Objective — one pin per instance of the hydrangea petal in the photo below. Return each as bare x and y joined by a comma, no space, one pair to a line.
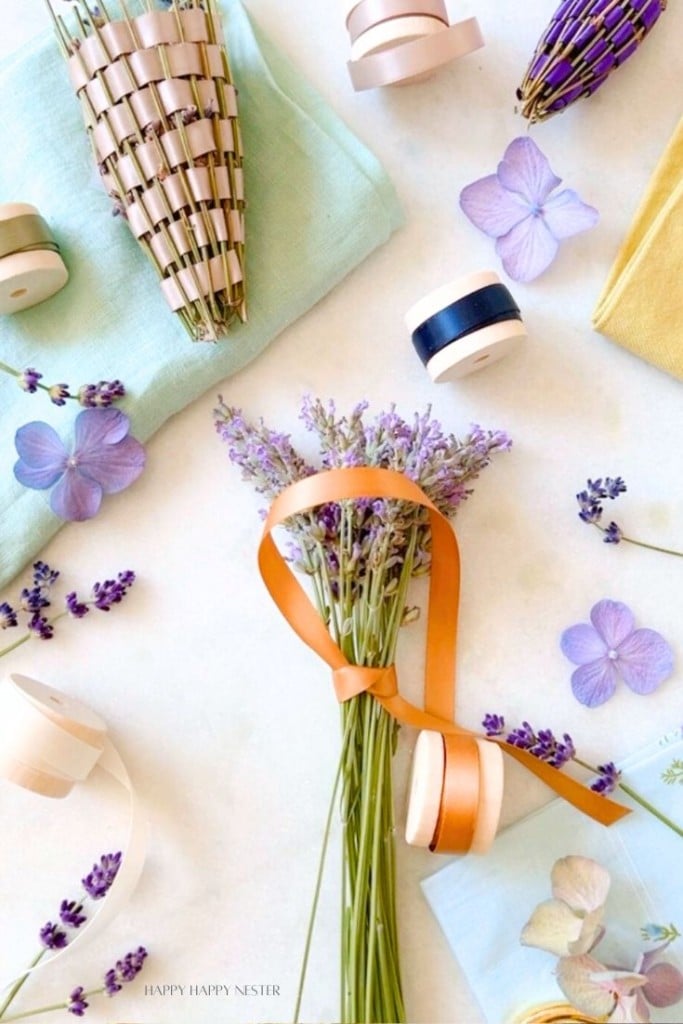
645,660
664,985
492,208
582,980
553,927
41,455
580,882
527,250
581,644
525,170
95,428
76,497
613,621
566,214
114,466
594,683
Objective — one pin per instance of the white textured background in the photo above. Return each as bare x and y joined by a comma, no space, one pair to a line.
226,721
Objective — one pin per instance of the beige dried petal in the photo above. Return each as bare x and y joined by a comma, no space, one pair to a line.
581,882
553,926
593,989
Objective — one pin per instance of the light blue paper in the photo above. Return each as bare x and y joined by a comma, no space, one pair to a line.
482,903
318,203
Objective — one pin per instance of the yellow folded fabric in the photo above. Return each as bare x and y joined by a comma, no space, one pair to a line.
641,304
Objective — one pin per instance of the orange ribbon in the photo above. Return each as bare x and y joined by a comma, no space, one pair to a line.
439,701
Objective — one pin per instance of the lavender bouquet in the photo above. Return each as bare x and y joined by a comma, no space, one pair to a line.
360,556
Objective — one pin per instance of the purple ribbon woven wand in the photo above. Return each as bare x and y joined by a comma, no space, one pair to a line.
584,42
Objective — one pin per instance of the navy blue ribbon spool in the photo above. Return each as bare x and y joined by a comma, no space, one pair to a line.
492,304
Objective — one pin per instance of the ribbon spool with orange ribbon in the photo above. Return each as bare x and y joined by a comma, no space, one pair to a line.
49,743
467,803
399,41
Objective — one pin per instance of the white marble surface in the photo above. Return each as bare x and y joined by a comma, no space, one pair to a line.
226,721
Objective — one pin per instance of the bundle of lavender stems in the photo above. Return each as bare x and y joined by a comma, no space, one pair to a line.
584,43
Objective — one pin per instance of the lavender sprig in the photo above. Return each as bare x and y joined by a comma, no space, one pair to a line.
123,972
544,745
72,916
591,511
35,599
90,396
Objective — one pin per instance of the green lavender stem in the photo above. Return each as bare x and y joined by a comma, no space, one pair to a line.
643,543
645,804
47,1009
16,988
27,636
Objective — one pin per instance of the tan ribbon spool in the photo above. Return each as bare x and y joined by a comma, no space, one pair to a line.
49,743
412,60
31,267
455,794
364,15
476,350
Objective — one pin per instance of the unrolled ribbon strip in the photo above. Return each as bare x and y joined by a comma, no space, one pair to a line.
48,744
439,702
398,41
465,325
31,266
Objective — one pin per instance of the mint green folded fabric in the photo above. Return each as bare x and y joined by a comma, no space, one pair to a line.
317,204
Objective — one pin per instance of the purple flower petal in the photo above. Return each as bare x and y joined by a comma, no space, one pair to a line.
76,497
664,985
41,455
524,169
594,683
527,250
114,466
492,208
645,660
566,215
613,621
97,427
582,644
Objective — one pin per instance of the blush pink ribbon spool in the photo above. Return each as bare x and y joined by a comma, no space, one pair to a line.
400,41
48,744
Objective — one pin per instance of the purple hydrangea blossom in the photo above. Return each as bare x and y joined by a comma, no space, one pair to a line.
124,971
77,1002
98,883
517,208
52,936
104,459
611,647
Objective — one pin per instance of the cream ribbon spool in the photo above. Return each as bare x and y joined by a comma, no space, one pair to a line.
390,33
49,743
30,276
426,790
476,350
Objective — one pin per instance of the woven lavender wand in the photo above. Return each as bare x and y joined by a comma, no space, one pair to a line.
584,42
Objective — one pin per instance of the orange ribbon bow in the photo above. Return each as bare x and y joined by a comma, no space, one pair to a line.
439,701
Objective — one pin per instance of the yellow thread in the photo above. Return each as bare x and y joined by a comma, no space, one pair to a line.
556,1013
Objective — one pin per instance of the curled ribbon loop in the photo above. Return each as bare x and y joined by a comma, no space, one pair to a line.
444,586
49,743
